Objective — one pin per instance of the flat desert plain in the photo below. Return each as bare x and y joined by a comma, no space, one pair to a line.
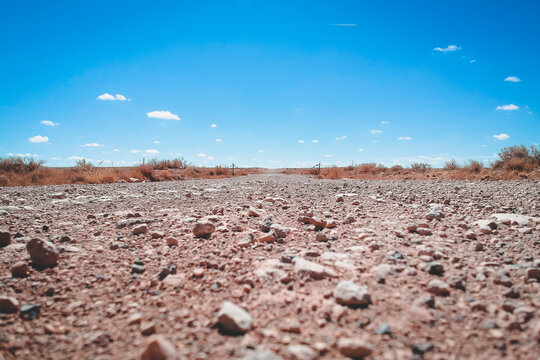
271,266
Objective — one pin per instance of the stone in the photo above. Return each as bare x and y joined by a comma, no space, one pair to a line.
261,355
42,253
148,328
435,268
509,219
354,348
265,225
8,304
58,196
301,352
486,226
279,231
267,238
350,294
383,329
438,287
533,273
233,319
470,235
381,272
137,269
435,212
423,231
20,269
5,238
172,242
159,348
157,234
312,269
203,229
318,223
140,229
30,312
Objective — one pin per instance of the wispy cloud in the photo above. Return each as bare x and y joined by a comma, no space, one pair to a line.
22,155
219,140
300,141
135,151
345,25
93,145
213,126
116,150
314,141
49,123
261,151
385,122
513,79
38,139
151,152
76,158
211,158
449,48
501,137
109,97
360,149
166,115
327,155
157,142
342,138
375,131
510,107
201,155
472,61
401,138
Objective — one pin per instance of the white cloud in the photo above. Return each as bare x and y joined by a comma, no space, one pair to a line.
472,61
109,97
300,141
448,48
501,137
219,140
375,131
510,107
76,158
315,141
385,122
166,115
49,123
157,142
151,152
201,155
512,79
213,126
327,155
404,138
38,139
342,138
116,150
261,151
135,151
360,149
93,145
345,25
22,155
56,158
211,158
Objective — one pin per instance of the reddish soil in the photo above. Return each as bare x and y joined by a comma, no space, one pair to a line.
447,287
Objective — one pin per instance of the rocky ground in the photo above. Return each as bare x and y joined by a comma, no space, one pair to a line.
271,267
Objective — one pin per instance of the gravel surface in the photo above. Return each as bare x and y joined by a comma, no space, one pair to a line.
271,267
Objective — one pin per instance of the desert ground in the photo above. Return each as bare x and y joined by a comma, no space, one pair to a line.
271,266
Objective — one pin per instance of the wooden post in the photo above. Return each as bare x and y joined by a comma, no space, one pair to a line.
319,173
233,169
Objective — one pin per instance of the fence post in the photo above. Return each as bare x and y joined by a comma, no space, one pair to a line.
233,169
319,173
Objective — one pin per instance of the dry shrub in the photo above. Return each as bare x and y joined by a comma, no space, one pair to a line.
178,163
518,158
220,171
451,165
368,168
396,168
518,164
334,173
19,165
420,167
475,166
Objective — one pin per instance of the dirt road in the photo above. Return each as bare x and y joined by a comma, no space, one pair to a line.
315,269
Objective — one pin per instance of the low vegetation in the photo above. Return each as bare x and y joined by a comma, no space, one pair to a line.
16,171
513,162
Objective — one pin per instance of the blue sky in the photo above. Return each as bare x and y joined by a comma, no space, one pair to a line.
269,84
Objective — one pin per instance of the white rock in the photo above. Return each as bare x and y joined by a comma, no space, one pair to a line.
234,319
312,269
348,293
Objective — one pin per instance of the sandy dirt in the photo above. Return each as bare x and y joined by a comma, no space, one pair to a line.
311,268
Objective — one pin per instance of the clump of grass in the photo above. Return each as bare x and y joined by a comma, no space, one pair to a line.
451,165
420,167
